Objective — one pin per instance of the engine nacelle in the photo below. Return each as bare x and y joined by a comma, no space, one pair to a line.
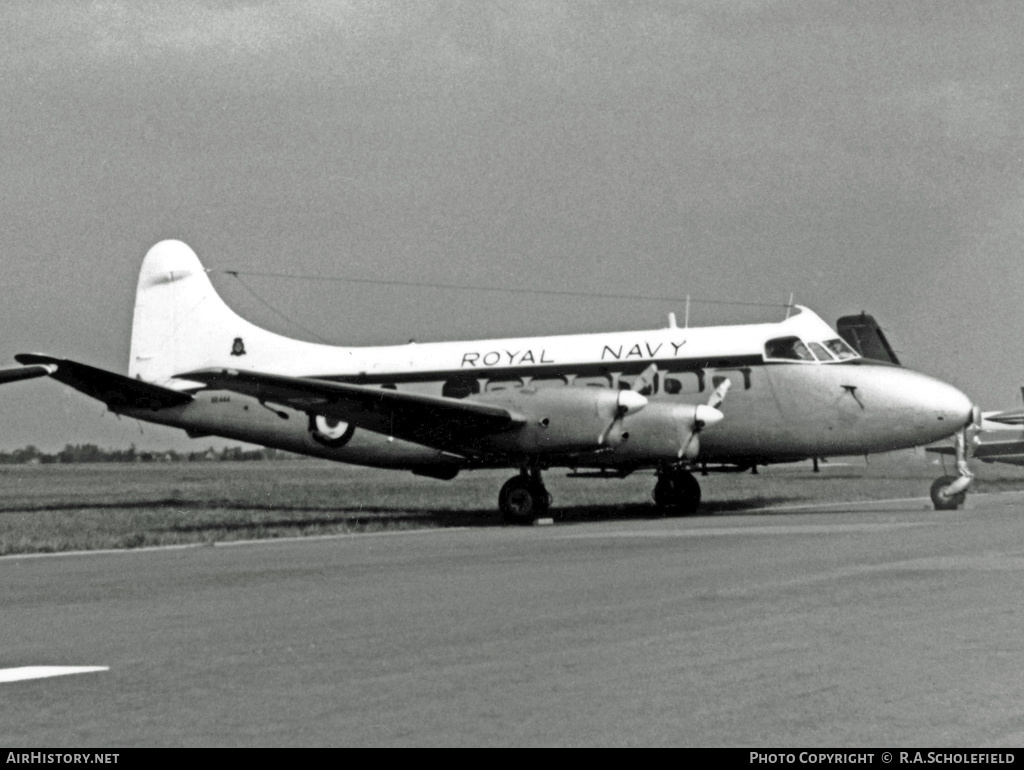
563,420
664,431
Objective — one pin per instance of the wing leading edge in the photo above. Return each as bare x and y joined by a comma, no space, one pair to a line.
449,424
115,390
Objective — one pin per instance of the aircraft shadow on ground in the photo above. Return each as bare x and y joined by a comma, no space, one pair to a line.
364,517
585,513
359,517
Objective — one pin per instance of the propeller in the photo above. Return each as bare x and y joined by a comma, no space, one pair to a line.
628,402
703,415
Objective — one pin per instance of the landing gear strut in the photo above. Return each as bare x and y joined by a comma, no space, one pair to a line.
677,491
524,498
949,492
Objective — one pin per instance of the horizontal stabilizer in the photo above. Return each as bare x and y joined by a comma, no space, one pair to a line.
995,450
115,390
1010,417
865,336
26,372
437,421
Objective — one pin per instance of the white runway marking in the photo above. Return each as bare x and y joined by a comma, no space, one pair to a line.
42,672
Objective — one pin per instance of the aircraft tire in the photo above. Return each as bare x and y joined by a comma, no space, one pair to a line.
946,503
677,493
521,500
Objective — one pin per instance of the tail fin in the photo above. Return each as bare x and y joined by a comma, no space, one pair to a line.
866,337
181,323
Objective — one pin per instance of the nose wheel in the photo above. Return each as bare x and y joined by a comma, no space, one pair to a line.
942,499
677,492
523,499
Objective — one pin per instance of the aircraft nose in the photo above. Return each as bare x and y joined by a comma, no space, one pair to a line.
938,404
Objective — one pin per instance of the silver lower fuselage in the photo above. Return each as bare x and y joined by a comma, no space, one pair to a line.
774,412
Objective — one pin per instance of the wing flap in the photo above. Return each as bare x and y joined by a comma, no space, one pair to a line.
437,421
115,390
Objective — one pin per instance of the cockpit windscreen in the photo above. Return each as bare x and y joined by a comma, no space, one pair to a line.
794,349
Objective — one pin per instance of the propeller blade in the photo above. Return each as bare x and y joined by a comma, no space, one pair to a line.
645,382
719,395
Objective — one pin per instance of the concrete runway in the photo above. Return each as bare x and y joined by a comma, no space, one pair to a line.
881,625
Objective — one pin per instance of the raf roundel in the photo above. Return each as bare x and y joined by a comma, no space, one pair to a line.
330,432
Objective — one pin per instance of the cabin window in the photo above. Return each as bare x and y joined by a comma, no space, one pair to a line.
840,349
548,382
744,372
787,349
460,387
597,381
507,383
682,383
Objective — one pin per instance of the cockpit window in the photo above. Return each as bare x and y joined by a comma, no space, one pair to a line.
840,349
788,348
819,352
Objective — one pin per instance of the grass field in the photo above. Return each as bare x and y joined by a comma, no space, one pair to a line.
45,508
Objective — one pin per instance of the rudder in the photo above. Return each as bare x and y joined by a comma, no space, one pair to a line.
866,337
180,322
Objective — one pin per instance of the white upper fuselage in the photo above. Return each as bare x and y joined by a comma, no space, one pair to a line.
167,340
670,348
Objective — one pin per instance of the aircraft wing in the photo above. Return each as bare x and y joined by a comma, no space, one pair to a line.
25,372
115,390
450,424
990,447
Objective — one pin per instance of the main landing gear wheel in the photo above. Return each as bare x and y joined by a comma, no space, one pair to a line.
940,501
523,500
677,492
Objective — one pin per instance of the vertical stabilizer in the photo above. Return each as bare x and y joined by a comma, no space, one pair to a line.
181,323
866,337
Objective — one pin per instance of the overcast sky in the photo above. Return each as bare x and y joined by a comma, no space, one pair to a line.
857,154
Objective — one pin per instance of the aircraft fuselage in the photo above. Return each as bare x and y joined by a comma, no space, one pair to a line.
773,412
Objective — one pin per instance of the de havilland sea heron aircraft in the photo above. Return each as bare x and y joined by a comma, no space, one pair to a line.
608,404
